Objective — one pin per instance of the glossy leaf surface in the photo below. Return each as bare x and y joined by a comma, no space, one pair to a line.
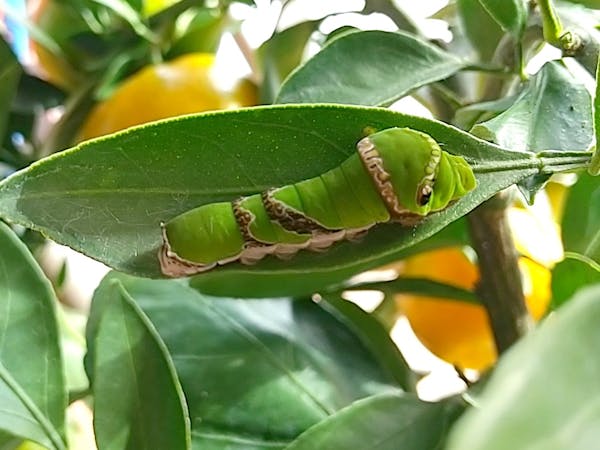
368,68
384,422
138,401
256,373
107,197
554,112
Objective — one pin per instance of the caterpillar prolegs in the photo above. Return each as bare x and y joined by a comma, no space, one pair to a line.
397,174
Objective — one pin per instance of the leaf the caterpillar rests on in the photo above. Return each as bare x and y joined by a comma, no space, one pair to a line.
397,174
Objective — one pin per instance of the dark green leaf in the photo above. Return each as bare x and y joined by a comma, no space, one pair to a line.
554,112
374,336
511,15
280,55
107,197
34,94
382,422
545,391
256,373
28,324
368,68
481,29
570,275
10,72
581,219
138,401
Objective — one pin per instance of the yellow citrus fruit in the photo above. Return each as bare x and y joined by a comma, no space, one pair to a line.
61,22
182,86
459,332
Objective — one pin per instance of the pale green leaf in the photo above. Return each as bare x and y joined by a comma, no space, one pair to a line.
545,391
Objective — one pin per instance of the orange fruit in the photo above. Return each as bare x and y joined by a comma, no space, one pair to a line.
181,86
459,332
61,22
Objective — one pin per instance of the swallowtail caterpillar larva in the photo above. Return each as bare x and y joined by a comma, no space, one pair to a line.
397,175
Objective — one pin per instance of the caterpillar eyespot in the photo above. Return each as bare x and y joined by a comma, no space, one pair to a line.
397,175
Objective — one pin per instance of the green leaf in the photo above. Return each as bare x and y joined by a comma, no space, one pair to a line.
146,408
382,422
421,286
107,197
481,29
511,15
394,11
467,116
281,54
10,73
21,419
553,112
202,34
570,275
368,68
374,336
545,391
124,10
256,373
594,168
581,219
28,324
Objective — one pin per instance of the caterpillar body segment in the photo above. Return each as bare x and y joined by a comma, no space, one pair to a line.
397,174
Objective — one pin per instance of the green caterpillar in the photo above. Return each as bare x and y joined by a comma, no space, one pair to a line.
397,174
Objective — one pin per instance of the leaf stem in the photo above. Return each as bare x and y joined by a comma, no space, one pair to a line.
544,162
490,68
554,33
552,27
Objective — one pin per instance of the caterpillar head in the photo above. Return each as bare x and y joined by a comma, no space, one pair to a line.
422,177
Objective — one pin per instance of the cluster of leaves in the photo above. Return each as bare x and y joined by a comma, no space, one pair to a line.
174,367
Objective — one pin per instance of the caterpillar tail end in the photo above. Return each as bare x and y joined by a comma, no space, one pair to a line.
172,265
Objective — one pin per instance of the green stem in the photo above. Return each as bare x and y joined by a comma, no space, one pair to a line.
489,68
554,33
594,168
553,29
544,162
520,57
